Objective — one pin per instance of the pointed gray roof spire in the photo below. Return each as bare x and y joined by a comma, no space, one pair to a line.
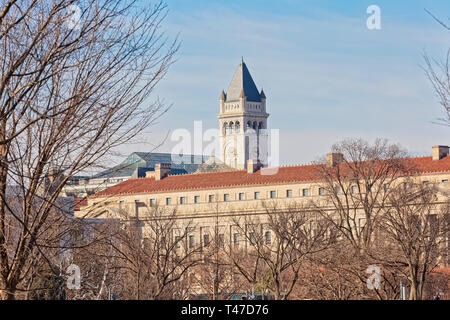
242,80
262,95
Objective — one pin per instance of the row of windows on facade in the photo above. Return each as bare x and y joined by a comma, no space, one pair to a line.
221,239
240,197
235,127
272,194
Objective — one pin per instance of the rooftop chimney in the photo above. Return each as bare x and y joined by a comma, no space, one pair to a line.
334,158
161,171
439,152
253,165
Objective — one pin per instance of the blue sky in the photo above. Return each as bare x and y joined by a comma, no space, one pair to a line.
325,75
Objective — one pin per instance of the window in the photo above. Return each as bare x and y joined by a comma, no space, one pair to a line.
168,201
236,238
338,190
305,192
226,197
273,194
177,241
211,198
354,189
221,239
445,181
268,237
289,193
241,196
191,241
426,182
251,237
321,191
152,202
257,195
197,199
205,239
386,187
182,200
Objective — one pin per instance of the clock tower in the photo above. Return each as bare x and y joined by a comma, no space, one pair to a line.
242,116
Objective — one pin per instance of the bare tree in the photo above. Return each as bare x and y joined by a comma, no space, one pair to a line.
153,253
417,225
216,275
439,76
356,188
277,244
72,88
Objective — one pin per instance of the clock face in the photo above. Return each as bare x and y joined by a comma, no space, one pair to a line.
231,152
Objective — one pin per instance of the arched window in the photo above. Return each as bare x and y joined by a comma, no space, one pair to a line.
260,125
249,124
231,127
225,128
254,125
238,127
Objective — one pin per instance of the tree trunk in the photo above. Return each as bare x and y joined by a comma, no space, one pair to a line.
413,292
6,295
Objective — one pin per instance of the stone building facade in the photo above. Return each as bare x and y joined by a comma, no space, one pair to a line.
211,201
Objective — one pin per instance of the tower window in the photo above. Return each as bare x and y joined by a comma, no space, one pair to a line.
238,127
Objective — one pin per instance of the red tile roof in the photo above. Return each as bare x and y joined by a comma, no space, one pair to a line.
289,174
79,202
